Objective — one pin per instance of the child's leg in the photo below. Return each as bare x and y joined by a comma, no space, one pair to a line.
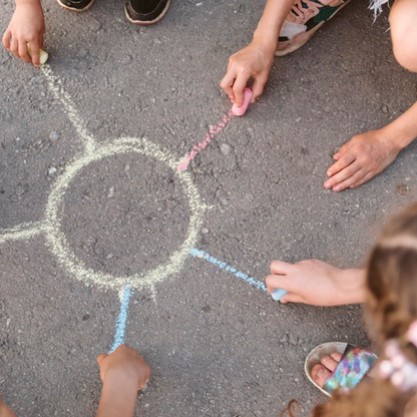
403,19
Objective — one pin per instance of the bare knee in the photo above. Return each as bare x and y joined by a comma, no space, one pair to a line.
403,20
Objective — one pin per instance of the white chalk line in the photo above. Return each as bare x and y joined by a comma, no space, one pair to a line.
22,231
55,207
94,151
58,91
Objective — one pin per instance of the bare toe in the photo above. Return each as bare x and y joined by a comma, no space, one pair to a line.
329,363
337,356
320,374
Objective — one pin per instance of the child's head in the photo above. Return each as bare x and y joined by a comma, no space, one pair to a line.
391,283
391,306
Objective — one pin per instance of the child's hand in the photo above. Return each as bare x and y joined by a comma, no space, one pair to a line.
317,283
24,35
123,365
6,411
253,61
360,159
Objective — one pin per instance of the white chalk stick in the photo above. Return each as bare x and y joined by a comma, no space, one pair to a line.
278,294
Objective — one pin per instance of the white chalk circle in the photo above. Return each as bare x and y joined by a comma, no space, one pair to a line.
55,208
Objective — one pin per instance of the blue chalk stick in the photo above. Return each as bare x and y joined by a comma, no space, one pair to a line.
278,294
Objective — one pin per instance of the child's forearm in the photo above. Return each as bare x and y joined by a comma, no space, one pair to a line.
5,411
34,2
117,399
403,130
271,22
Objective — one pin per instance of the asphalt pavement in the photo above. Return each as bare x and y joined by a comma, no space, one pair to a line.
91,204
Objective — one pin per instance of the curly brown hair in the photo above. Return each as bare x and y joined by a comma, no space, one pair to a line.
391,306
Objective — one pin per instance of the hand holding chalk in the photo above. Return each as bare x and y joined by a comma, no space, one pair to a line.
278,294
240,111
43,55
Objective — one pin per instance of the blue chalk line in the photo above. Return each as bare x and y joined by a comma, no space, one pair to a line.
119,337
197,253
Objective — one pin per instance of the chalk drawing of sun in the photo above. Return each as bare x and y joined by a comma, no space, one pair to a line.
93,151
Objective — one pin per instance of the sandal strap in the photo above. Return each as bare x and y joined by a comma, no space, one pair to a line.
351,369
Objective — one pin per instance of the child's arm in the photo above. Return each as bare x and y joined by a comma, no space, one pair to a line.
317,283
123,373
6,411
255,60
24,35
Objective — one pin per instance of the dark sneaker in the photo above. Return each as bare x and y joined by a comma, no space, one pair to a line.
304,19
76,5
146,12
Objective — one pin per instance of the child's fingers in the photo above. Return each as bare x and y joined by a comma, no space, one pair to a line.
280,267
291,298
23,52
34,53
341,163
274,282
7,38
348,180
100,358
14,47
258,86
364,179
239,87
226,84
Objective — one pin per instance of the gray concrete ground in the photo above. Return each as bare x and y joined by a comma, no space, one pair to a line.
217,346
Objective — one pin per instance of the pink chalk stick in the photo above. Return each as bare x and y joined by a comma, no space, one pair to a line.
240,111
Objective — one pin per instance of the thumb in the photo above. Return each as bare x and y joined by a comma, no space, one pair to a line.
274,282
291,298
100,358
258,87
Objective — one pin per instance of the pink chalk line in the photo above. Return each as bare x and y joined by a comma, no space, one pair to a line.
210,135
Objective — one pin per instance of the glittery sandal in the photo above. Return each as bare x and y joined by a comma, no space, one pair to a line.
351,369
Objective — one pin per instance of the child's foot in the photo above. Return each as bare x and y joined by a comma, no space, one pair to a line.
340,370
76,5
146,12
323,370
304,19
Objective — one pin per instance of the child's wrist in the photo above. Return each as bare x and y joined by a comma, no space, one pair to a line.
29,2
115,377
398,138
266,43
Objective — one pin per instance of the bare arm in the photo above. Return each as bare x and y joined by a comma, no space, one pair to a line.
123,373
6,411
118,398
